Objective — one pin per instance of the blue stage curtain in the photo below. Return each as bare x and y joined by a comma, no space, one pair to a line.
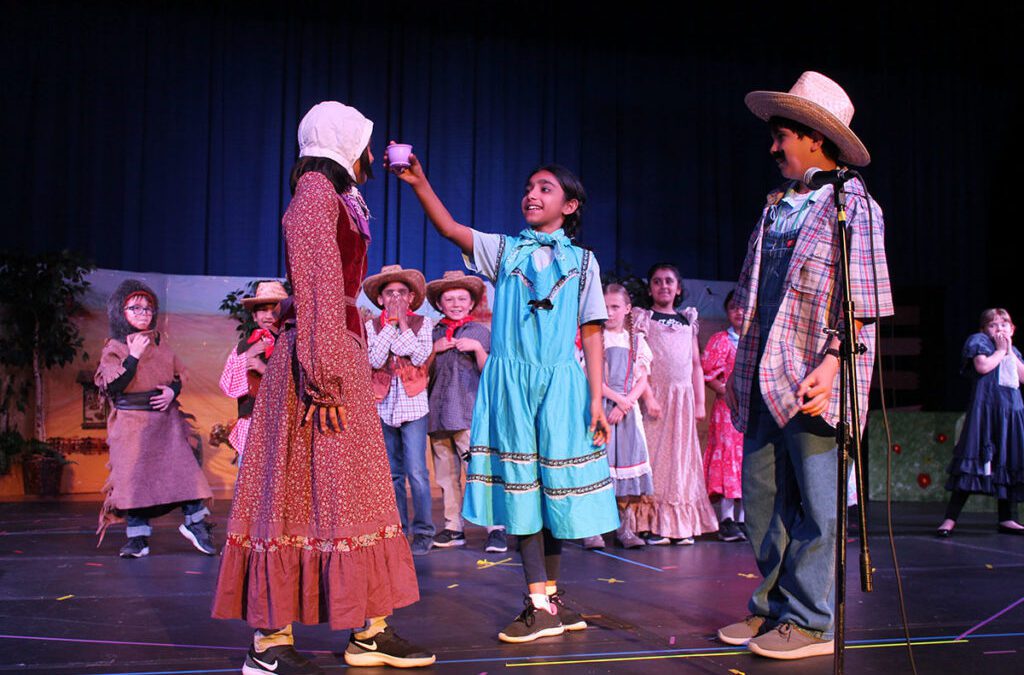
158,136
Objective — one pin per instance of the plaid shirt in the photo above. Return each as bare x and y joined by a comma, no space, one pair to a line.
234,383
397,407
811,301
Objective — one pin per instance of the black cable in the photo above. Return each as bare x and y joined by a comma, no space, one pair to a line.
888,440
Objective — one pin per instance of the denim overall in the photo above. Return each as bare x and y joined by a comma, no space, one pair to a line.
789,475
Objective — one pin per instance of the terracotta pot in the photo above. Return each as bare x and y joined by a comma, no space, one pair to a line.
42,476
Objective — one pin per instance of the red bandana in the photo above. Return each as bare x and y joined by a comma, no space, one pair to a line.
452,326
266,336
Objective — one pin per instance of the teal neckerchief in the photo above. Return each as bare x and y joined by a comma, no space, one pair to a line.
531,240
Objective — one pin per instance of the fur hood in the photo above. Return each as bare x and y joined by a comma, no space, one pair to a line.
119,326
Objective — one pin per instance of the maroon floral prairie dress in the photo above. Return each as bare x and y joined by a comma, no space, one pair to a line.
314,534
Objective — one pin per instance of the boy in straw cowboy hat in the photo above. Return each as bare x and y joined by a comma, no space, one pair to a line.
784,393
461,345
399,345
247,362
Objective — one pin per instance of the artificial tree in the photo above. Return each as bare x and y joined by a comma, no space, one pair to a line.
39,296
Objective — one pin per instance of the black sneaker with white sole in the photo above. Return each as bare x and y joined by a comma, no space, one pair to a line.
496,542
137,547
449,538
570,618
386,648
281,660
728,530
532,623
199,535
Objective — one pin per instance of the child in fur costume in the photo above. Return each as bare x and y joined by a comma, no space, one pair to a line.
153,448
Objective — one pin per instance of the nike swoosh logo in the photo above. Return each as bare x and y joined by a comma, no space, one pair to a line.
268,666
372,646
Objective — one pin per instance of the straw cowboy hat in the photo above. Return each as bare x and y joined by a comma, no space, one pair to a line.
455,279
411,278
821,104
267,293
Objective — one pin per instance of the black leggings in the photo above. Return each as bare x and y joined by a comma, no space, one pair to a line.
959,498
542,556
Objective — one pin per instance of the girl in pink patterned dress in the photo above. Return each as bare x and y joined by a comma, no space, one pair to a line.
723,458
679,509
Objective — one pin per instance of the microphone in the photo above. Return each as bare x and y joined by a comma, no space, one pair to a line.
815,178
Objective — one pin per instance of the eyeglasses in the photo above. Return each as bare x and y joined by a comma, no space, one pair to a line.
395,293
139,310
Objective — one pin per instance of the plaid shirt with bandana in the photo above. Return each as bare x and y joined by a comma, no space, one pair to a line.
812,300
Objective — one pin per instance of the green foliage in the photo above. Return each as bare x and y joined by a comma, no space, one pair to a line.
14,447
232,304
39,296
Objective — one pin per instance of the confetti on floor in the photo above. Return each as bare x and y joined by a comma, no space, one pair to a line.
670,567
672,640
192,572
66,597
454,586
94,564
19,552
484,564
988,566
736,672
613,580
746,575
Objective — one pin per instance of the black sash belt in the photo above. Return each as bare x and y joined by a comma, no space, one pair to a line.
137,400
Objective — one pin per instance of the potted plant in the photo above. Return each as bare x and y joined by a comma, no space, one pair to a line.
39,296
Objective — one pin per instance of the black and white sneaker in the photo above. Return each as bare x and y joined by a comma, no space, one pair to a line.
137,547
570,618
728,530
496,542
449,538
281,660
386,648
532,623
653,539
199,535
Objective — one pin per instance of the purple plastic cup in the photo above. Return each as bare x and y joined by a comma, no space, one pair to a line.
398,155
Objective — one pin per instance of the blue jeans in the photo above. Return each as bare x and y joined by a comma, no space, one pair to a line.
137,520
789,492
407,455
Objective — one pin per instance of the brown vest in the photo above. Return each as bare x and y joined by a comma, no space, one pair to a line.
414,378
247,402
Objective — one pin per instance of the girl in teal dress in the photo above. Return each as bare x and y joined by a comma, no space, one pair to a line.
537,458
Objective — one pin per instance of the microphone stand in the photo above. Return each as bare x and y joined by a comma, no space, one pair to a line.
848,439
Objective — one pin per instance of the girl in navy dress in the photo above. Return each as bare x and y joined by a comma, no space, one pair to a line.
989,457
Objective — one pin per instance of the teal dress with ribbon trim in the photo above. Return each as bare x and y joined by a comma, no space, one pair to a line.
532,461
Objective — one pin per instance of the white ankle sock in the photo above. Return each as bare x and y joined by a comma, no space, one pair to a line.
540,601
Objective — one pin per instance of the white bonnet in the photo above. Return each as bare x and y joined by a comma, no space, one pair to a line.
336,131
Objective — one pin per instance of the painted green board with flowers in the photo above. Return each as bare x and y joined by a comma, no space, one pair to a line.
922,445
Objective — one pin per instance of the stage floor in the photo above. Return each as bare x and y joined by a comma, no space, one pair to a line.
68,607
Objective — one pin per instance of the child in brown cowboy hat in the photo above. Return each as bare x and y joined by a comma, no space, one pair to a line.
461,344
247,362
399,345
783,392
